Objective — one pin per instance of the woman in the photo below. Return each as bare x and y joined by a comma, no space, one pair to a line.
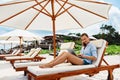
87,56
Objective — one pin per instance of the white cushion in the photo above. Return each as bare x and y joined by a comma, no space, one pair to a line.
42,71
26,64
14,52
98,43
16,57
101,45
35,53
18,51
48,59
31,52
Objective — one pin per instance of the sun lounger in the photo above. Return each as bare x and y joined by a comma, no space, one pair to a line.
58,72
29,54
33,55
14,53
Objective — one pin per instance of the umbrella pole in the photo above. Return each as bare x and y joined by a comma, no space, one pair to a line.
53,24
20,43
4,46
20,46
11,45
54,39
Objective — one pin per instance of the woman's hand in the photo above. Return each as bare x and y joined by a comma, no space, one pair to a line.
81,55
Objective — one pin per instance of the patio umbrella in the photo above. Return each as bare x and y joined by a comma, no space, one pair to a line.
52,14
20,35
3,42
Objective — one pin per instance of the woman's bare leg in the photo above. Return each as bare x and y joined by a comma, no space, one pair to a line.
62,58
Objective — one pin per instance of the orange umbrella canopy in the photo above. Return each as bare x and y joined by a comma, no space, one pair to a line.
52,15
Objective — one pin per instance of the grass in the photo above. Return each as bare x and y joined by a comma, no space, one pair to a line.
111,50
45,51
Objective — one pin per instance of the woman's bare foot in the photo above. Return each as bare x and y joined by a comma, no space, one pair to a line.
45,66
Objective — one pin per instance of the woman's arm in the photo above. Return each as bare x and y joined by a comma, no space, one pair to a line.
87,57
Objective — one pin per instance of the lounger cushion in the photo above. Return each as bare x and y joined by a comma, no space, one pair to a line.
97,43
36,52
20,65
31,52
23,57
42,71
48,59
101,45
16,57
16,53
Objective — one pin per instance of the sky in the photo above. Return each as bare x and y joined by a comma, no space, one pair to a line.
114,20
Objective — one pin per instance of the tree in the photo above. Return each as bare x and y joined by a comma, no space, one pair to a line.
109,33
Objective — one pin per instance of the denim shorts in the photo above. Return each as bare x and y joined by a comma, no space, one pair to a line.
85,62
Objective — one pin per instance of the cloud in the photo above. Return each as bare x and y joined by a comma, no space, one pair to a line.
115,17
91,30
4,29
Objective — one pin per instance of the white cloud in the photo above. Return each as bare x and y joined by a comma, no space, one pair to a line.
91,30
3,31
115,17
119,31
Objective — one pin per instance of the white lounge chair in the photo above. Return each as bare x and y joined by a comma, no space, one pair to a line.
59,71
32,55
16,52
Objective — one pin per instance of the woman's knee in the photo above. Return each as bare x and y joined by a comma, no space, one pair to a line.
65,53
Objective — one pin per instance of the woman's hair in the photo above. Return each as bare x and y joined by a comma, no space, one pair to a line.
84,34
